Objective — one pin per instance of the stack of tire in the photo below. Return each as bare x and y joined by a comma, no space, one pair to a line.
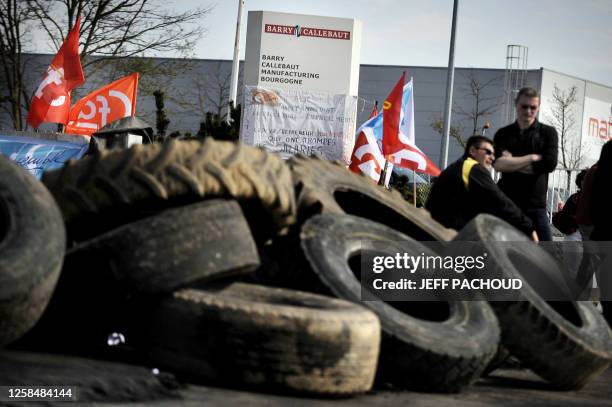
218,262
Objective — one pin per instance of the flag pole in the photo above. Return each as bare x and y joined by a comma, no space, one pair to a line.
383,176
235,65
388,176
449,90
414,196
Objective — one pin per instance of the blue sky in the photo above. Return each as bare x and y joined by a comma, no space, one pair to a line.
569,36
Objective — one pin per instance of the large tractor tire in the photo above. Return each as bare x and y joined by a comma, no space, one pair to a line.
32,245
114,187
179,246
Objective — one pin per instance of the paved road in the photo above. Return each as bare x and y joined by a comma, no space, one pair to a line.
102,380
504,388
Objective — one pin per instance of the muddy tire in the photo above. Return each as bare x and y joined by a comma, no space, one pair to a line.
267,338
110,188
95,380
32,245
180,246
566,342
109,284
326,187
428,346
500,358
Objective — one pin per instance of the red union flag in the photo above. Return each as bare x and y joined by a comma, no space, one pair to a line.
391,119
51,101
104,106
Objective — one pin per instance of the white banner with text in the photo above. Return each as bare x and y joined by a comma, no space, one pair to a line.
292,122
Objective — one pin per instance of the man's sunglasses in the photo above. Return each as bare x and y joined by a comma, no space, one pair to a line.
532,107
486,150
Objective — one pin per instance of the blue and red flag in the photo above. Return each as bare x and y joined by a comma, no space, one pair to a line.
369,158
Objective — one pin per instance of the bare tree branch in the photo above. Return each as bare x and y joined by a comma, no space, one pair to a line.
219,94
562,116
479,104
114,28
110,30
15,19
455,132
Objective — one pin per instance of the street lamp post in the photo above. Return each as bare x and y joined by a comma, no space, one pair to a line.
449,90
234,80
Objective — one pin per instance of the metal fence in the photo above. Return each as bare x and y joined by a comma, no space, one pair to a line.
424,189
561,184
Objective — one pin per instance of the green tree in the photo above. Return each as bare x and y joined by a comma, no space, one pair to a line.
161,120
217,128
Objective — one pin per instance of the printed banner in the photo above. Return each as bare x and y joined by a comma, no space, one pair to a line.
292,122
39,155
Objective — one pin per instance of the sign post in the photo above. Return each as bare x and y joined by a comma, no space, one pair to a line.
301,79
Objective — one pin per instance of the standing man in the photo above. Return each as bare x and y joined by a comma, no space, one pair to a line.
527,152
465,189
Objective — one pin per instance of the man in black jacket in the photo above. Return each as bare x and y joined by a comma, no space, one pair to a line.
526,153
465,189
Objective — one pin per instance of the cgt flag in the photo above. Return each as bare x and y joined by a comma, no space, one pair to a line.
104,106
367,159
51,101
392,109
401,148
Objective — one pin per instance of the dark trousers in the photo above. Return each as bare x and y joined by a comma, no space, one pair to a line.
539,217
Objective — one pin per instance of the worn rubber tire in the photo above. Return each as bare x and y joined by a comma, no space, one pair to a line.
500,358
327,187
109,283
95,380
177,247
567,343
440,354
607,312
267,338
32,245
117,183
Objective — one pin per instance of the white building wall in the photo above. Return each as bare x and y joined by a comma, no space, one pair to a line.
596,119
592,113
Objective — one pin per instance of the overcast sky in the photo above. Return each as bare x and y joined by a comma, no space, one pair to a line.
569,36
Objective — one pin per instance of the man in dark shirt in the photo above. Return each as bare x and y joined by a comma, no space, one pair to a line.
526,153
465,189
